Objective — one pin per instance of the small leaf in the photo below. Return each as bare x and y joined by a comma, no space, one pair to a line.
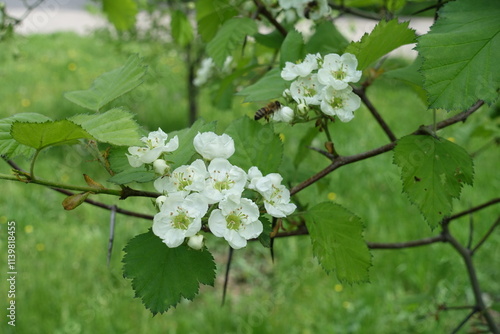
270,86
182,32
461,55
256,145
272,40
115,126
140,174
110,85
229,37
385,37
41,135
433,172
265,236
73,201
210,15
326,39
162,276
9,147
292,49
120,12
338,244
91,183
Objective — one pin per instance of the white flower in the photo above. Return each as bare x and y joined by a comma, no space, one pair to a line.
184,179
179,217
196,242
307,90
276,196
204,72
337,70
211,146
340,103
315,10
236,222
160,166
303,69
225,181
285,114
156,144
160,200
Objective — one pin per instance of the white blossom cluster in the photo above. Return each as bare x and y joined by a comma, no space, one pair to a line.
209,190
324,82
313,10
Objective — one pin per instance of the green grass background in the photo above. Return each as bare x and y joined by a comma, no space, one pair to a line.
65,286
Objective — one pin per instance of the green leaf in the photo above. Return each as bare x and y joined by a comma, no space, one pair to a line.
410,76
461,55
256,144
162,276
270,86
41,135
385,37
9,147
182,32
186,150
115,126
120,12
229,37
433,172
338,244
210,15
326,39
265,236
292,49
272,40
139,174
110,85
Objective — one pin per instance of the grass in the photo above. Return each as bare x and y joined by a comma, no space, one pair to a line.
64,285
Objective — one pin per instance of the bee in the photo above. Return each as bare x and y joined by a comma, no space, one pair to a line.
268,110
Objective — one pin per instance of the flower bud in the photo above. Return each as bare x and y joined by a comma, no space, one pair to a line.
160,166
160,200
196,242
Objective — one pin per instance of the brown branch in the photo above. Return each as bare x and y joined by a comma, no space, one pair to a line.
361,92
486,236
261,8
471,210
407,244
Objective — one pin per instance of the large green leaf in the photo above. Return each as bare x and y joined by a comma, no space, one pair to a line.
256,145
292,49
120,12
229,37
110,85
433,172
461,55
9,147
326,39
162,276
338,244
270,86
210,15
385,37
410,76
115,126
182,31
41,135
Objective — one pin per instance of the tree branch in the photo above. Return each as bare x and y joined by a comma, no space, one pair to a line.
261,8
488,233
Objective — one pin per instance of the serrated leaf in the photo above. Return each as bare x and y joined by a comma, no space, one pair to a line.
9,147
292,49
115,126
338,244
229,37
433,172
120,12
384,38
410,76
41,135
272,40
182,32
210,15
162,276
186,149
265,236
256,144
270,86
326,39
461,55
140,175
110,85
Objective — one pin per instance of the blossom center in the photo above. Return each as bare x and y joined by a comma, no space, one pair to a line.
234,221
181,221
182,182
339,75
336,102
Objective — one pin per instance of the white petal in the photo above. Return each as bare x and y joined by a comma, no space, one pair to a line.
252,230
217,223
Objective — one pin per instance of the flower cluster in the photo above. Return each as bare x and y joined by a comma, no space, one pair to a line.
313,10
209,190
324,82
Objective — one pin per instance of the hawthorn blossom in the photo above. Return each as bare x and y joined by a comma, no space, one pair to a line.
285,114
156,144
212,146
184,179
224,181
337,71
340,103
236,222
179,217
160,166
204,72
196,242
303,69
307,90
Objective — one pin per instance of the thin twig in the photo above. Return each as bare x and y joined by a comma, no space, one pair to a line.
471,210
463,322
226,276
263,10
488,233
471,232
112,220
356,12
407,244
